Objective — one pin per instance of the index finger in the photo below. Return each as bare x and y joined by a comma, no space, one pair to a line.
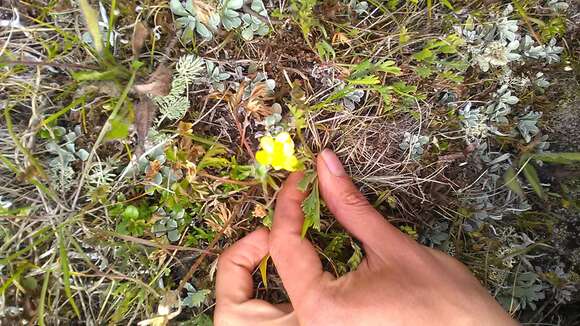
295,258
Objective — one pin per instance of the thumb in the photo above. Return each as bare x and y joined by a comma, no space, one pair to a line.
352,209
234,283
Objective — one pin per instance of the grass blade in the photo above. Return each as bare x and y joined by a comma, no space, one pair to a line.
533,179
511,181
64,267
92,19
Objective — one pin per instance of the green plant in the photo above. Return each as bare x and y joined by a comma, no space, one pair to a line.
194,297
254,24
303,15
190,19
175,104
133,220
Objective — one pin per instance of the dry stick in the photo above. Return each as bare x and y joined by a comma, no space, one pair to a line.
242,132
156,245
201,258
225,180
52,64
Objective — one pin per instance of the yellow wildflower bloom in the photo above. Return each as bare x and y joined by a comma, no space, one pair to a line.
278,152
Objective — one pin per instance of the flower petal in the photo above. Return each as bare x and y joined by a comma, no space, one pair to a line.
263,157
291,163
267,144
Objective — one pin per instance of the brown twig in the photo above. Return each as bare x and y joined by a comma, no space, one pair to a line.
156,245
226,180
200,259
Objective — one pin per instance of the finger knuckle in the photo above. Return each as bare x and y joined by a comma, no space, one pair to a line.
353,197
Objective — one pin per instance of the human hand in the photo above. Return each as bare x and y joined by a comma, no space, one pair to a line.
399,282
234,287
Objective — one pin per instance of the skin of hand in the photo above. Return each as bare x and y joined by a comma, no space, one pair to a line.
235,304
399,282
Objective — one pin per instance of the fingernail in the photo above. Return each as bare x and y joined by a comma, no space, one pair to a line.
333,163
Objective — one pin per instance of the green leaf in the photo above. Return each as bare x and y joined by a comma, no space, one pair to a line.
119,129
404,36
454,77
424,55
212,158
403,89
131,213
325,51
195,299
92,19
367,80
66,275
356,257
94,75
533,179
559,158
424,71
311,209
389,67
447,4
309,177
511,181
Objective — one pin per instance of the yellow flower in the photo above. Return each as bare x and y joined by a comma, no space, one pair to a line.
277,152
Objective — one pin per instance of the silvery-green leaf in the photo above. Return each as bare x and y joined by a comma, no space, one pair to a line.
258,7
526,42
219,86
508,10
171,224
173,235
483,64
180,214
157,179
177,8
247,34
224,75
214,22
70,137
235,4
247,18
513,45
348,104
182,22
189,287
70,147
513,57
270,84
230,23
559,6
210,66
158,229
527,125
82,154
189,7
203,31
263,29
509,99
230,13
